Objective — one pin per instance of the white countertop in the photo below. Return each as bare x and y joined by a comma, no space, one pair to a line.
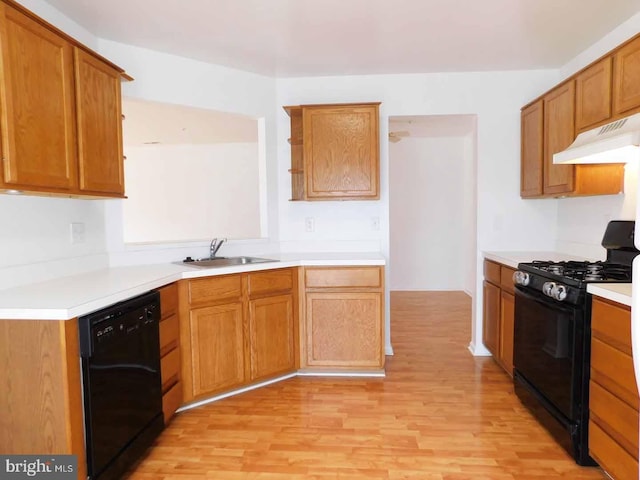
616,292
512,259
68,297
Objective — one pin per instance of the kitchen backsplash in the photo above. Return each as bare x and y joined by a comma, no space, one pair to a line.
582,220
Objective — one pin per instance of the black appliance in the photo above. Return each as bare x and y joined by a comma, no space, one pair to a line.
120,355
552,336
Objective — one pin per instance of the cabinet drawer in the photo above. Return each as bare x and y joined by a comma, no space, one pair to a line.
169,334
506,278
613,369
492,272
612,323
213,289
610,455
270,281
615,417
171,400
170,369
365,277
169,300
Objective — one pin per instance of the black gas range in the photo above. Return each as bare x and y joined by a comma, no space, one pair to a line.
552,335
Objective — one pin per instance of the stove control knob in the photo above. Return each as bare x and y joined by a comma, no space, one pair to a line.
560,292
521,278
548,288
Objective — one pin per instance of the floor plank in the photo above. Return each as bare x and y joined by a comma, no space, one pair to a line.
440,414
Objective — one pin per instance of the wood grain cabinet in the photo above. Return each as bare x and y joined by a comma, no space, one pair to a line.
99,120
498,313
532,152
335,151
170,351
212,335
626,87
548,127
41,389
272,326
593,94
344,326
60,106
559,130
237,329
613,394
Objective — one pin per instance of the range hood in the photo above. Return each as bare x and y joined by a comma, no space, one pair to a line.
615,142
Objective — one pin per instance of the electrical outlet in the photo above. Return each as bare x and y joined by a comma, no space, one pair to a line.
77,232
375,223
309,224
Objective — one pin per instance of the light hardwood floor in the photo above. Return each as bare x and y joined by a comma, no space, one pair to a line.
439,414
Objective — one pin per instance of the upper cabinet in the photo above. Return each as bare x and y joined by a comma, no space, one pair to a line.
593,95
532,154
626,87
559,128
335,152
605,91
60,124
99,120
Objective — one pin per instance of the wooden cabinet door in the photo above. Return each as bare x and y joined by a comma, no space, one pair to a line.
507,307
626,87
341,152
559,133
217,348
99,120
37,105
491,317
532,153
271,336
593,95
344,329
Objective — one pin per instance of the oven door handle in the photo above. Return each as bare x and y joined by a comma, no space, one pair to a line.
547,302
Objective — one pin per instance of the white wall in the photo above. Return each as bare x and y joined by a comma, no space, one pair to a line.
171,79
428,213
35,240
505,222
64,23
582,220
470,212
181,193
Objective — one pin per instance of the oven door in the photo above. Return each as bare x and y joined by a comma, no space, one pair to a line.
549,349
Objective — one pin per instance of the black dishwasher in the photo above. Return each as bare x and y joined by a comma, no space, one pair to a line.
120,354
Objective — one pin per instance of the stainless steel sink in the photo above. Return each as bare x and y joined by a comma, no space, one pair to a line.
226,261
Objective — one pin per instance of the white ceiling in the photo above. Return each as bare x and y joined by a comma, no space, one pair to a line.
342,37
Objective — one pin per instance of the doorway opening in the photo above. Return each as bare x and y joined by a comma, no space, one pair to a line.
432,203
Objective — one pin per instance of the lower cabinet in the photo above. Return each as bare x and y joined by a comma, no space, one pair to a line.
217,348
170,351
498,313
507,308
613,395
491,317
41,399
237,329
271,336
344,324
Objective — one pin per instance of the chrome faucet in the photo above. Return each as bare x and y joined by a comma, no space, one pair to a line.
215,246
